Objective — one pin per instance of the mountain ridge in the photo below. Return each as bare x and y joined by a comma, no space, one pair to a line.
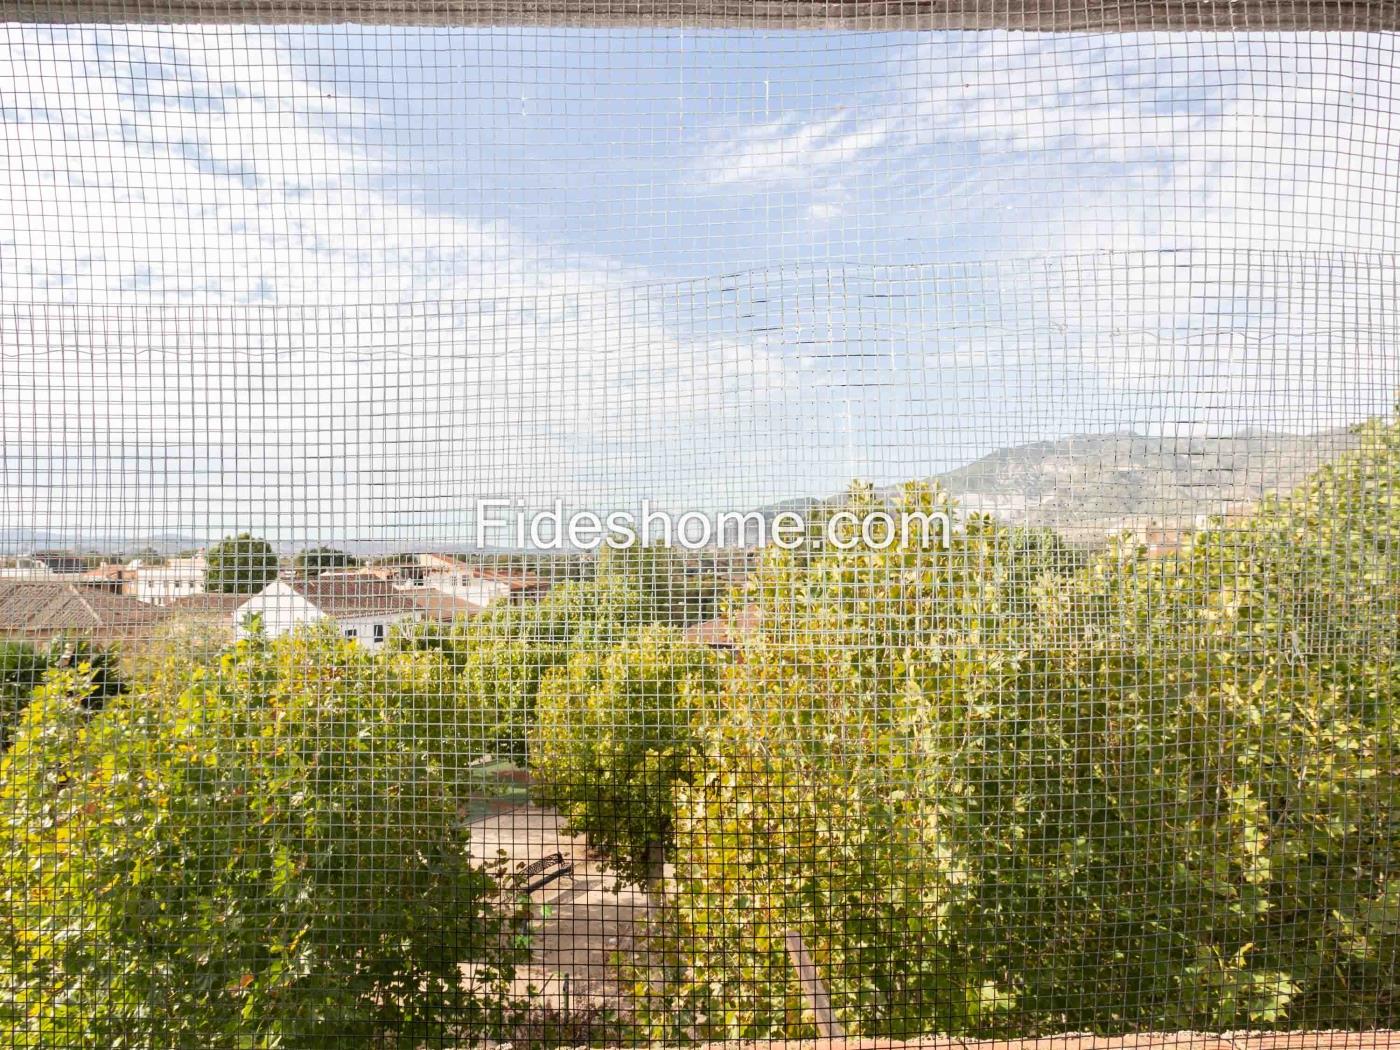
1091,486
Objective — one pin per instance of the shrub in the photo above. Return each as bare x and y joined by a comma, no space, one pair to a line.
497,685
614,734
546,1026
165,657
21,669
101,665
999,797
271,856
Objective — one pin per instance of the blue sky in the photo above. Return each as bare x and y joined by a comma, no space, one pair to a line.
335,283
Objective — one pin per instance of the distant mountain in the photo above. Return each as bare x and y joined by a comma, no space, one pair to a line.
24,541
1086,486
1089,486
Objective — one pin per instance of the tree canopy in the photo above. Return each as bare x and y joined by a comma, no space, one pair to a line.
242,564
315,560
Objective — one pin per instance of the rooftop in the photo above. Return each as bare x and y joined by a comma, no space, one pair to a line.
725,632
45,607
438,605
353,594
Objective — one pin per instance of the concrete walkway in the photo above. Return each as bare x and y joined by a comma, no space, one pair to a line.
583,921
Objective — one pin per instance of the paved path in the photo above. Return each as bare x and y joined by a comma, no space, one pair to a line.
590,915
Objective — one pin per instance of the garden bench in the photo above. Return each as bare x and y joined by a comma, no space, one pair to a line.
540,873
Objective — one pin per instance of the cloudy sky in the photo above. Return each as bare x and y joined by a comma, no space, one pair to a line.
336,284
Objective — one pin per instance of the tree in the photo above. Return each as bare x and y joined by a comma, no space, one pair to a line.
242,564
497,684
315,560
613,737
955,774
21,669
502,655
268,855
677,588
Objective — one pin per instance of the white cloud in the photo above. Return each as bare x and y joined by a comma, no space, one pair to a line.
1064,144
364,422
230,319
1246,190
221,304
790,150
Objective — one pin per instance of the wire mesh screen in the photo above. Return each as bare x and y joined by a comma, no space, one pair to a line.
560,534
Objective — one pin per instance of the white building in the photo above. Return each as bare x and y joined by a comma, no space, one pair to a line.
161,584
476,585
363,607
24,569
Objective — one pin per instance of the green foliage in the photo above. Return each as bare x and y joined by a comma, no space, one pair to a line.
494,677
1002,788
21,669
768,841
812,813
100,664
166,655
270,855
573,614
241,564
672,585
613,737
315,560
502,655
1000,791
497,685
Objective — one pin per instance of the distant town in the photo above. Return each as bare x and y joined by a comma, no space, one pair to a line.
53,593
1086,487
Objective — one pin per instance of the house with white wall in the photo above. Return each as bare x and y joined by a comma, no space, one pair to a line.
476,584
363,607
162,583
24,569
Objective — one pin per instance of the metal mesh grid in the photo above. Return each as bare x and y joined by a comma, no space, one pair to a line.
1036,675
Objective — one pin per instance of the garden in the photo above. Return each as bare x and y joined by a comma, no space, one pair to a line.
1007,788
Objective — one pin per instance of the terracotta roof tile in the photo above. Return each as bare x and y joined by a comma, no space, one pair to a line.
41,607
724,632
353,594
